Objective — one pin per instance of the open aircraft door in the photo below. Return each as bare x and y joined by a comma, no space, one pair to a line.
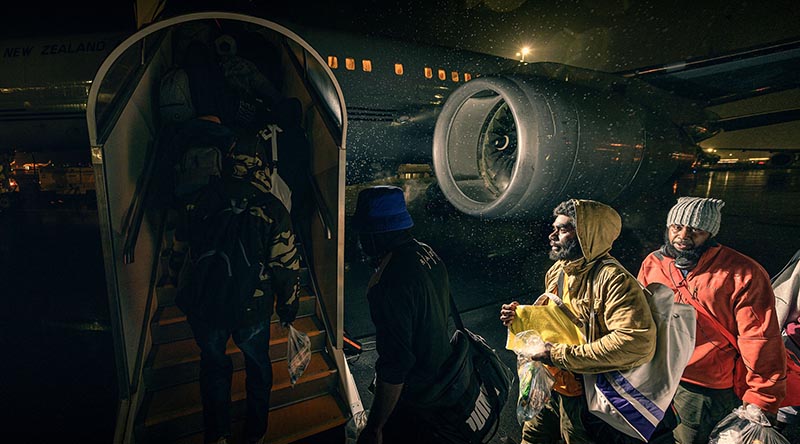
155,355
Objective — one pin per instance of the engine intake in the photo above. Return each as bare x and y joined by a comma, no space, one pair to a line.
514,146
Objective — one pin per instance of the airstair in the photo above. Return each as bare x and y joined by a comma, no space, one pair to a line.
157,358
172,411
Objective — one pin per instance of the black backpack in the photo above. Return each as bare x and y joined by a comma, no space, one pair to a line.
217,286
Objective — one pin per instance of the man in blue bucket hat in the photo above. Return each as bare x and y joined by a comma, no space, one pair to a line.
409,302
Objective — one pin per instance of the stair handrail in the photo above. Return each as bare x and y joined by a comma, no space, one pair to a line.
323,211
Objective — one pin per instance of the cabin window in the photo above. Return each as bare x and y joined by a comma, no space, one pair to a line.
333,62
428,72
442,75
454,76
467,77
366,65
350,63
398,69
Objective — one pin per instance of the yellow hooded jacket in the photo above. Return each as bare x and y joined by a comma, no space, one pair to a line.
624,333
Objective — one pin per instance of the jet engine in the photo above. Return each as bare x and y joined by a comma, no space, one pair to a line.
514,146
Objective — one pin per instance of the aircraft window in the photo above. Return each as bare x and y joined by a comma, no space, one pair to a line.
454,76
333,62
366,65
350,63
428,73
442,75
398,69
467,77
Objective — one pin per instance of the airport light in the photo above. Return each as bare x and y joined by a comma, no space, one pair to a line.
523,52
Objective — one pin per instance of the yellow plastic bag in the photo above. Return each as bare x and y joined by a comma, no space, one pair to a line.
549,321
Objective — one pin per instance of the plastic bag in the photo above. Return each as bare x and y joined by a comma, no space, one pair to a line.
548,320
354,426
535,382
299,353
746,426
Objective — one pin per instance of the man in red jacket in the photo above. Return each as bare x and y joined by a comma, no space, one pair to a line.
735,320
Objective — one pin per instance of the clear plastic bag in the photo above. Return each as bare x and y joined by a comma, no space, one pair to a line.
298,354
746,426
354,426
535,382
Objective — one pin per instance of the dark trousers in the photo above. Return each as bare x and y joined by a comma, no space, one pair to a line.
567,419
216,370
700,409
405,426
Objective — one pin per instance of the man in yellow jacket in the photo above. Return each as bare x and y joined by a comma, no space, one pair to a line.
621,336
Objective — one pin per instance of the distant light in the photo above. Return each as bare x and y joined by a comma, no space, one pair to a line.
523,52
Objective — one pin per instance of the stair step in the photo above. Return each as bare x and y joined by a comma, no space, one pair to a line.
166,294
169,323
177,411
292,423
179,361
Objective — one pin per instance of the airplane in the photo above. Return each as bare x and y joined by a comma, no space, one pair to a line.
504,138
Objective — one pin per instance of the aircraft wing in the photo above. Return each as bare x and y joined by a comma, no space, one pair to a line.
730,77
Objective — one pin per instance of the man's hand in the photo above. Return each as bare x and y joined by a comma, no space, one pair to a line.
544,356
508,313
370,435
771,417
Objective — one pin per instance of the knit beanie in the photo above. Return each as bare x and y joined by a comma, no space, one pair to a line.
697,212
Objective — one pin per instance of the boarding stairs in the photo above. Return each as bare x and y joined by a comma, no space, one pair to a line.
171,411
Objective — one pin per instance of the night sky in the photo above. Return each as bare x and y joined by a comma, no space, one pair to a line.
609,35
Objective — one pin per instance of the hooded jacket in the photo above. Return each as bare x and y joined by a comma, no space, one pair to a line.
736,290
624,333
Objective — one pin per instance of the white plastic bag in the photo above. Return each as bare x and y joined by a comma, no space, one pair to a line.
535,382
299,353
746,426
354,426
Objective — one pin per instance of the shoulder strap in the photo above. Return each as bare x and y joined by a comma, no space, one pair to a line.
560,302
702,310
592,276
454,313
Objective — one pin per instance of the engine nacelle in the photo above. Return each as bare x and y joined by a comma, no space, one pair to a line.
515,146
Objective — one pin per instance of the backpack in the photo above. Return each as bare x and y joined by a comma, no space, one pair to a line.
218,285
198,149
174,97
196,168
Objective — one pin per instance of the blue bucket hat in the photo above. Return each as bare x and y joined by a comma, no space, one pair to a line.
381,209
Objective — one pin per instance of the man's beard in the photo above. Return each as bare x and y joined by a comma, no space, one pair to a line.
570,251
684,259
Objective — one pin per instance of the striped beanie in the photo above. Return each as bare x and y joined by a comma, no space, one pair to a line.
697,212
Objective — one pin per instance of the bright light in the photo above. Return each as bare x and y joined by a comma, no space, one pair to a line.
523,52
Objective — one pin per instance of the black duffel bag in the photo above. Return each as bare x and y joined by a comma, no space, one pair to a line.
465,404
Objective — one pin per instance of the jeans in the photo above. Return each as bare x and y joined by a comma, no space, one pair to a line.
216,370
